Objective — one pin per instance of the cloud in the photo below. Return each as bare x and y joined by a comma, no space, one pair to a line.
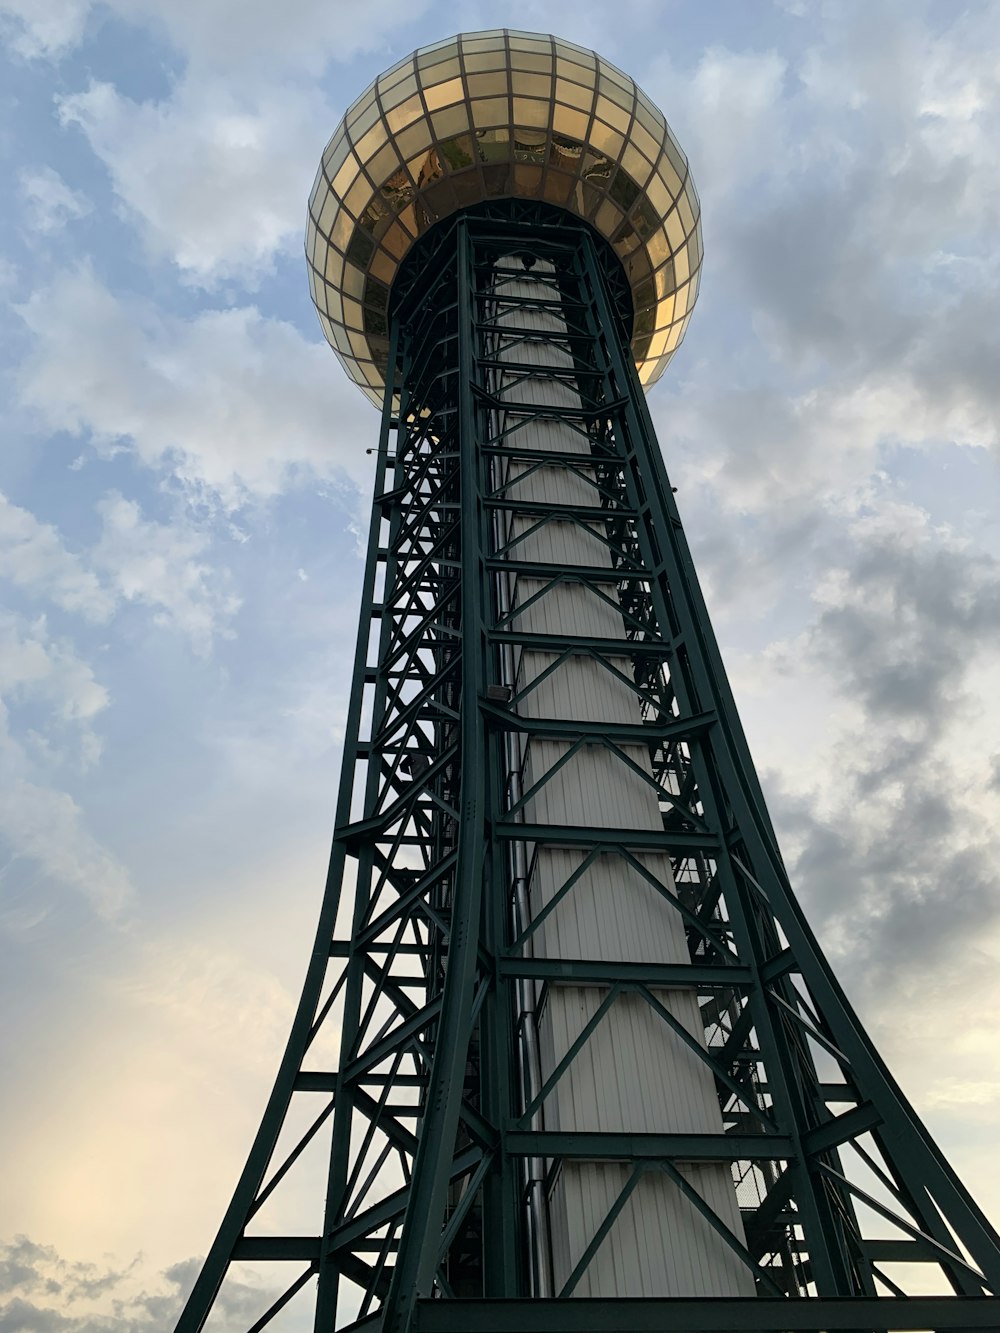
43,28
233,405
47,827
39,822
48,1293
160,566
35,559
235,197
225,33
49,201
891,823
31,662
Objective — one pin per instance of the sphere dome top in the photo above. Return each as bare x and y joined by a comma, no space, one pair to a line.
486,116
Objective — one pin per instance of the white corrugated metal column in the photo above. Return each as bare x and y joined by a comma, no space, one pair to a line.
634,1074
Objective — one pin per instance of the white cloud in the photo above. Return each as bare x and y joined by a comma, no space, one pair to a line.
34,558
221,33
161,566
725,111
31,663
232,403
43,27
49,201
235,195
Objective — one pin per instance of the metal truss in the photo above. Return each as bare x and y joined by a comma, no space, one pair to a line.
431,1127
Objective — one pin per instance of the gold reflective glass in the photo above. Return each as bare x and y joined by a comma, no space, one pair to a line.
604,138
405,114
490,111
416,139
574,94
347,173
487,85
533,64
529,111
563,145
405,88
668,174
530,85
573,124
451,122
444,94
484,60
617,117
370,142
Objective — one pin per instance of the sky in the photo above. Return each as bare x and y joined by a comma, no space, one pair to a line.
183,499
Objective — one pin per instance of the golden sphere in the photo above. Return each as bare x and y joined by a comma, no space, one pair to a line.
493,115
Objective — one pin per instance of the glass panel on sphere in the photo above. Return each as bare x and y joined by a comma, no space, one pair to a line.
530,85
431,57
658,195
566,69
468,188
614,92
342,227
490,42
572,124
673,183
617,117
396,241
561,188
570,51
416,139
327,213
399,92
348,172
607,218
527,41
334,304
666,310
490,111
674,229
682,264
529,111
371,142
455,120
458,153
487,85
357,197
644,141
353,314
484,60
362,119
396,72
405,114
646,115
532,64
383,164
686,213
527,180
575,95
608,141
359,345
494,145
674,155
615,75
336,153
636,165
657,247
444,94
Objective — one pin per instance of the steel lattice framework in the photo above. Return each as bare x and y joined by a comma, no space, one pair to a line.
432,1122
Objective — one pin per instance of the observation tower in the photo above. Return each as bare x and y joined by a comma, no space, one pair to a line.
568,1056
